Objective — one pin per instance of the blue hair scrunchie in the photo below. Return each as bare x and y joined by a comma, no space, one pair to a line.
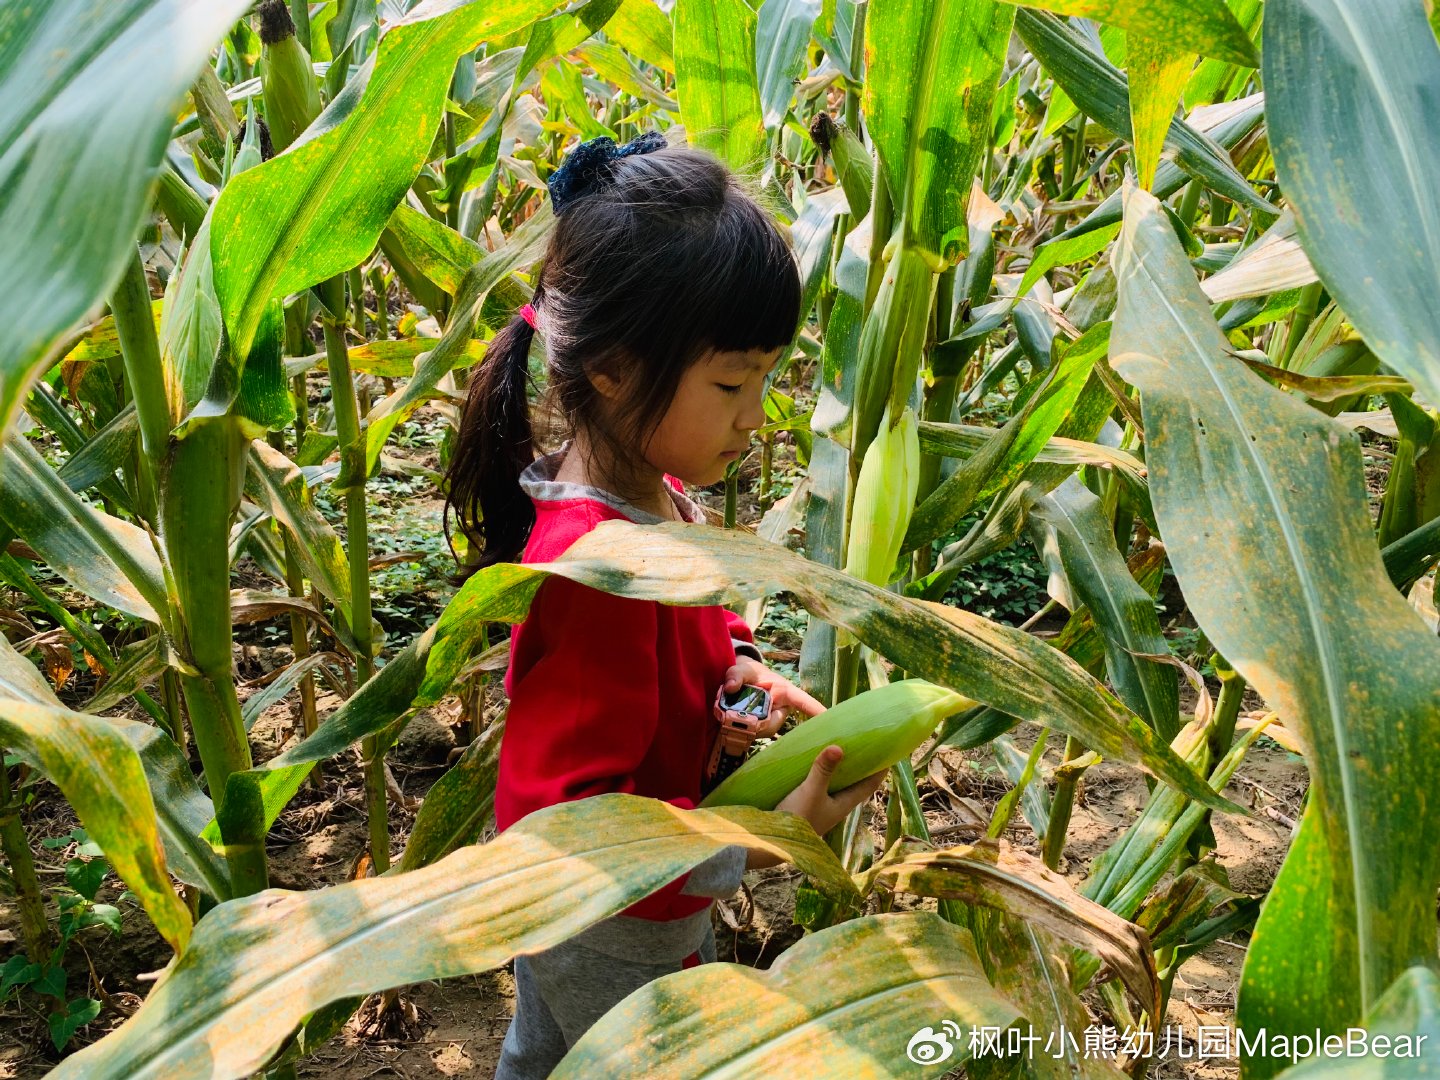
588,165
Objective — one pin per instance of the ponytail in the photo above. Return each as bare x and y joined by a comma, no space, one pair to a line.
494,447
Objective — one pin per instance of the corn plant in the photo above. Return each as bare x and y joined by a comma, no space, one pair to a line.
1032,291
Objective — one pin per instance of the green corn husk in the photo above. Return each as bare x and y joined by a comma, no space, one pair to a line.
875,729
251,151
287,79
854,167
884,499
892,342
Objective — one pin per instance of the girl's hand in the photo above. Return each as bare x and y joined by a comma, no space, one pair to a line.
813,801
785,696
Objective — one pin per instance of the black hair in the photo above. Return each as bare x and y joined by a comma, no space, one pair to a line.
668,255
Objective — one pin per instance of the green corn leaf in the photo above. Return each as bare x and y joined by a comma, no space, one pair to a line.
561,84
276,484
612,65
89,760
640,27
1158,72
1279,564
1002,666
1065,253
1409,1017
1214,80
89,132
318,209
1103,93
835,34
181,808
460,805
190,327
1207,27
715,80
107,559
1349,92
933,70
1170,177
21,680
781,37
1027,965
484,274
1071,520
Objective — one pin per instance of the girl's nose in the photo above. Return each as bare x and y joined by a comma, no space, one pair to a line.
753,416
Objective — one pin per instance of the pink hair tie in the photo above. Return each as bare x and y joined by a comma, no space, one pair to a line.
527,312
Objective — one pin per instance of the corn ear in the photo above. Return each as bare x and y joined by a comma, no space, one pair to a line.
287,79
854,167
884,499
875,729
883,503
249,153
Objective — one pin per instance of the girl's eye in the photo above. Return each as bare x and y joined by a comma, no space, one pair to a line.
731,389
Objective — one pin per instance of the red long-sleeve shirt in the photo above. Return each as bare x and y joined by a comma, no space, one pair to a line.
609,693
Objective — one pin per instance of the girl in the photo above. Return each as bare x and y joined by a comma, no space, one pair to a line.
665,298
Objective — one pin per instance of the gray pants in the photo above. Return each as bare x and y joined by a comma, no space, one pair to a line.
560,992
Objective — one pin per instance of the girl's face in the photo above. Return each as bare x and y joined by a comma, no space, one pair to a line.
716,408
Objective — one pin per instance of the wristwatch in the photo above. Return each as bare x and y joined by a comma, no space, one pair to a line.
739,714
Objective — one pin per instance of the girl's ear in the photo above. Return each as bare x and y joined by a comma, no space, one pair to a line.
606,386
605,376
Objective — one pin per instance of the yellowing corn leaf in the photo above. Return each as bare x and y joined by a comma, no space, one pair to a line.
913,991
258,965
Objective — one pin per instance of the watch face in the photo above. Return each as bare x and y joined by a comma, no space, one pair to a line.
752,700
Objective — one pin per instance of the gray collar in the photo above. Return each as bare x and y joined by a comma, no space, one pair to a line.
538,481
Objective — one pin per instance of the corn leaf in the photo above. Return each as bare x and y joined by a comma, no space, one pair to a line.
643,29
181,808
1013,881
715,80
1363,138
781,36
1065,253
1158,72
1409,1011
89,760
1004,667
1027,966
1207,27
1103,94
1170,177
461,804
1278,562
190,327
932,72
986,661
318,209
88,132
835,32
107,559
484,272
256,966
275,483
1272,264
906,972
1071,522
20,680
